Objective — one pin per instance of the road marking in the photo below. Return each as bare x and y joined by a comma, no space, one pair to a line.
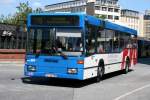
129,93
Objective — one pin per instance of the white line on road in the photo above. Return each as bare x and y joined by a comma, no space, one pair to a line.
131,92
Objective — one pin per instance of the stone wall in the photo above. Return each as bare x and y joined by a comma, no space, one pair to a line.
12,54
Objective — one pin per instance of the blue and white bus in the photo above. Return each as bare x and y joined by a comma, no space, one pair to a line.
143,48
77,46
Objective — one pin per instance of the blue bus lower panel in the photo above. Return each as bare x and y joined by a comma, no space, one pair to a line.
78,76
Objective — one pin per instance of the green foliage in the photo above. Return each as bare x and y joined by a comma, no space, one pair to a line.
22,11
38,10
20,17
101,16
6,19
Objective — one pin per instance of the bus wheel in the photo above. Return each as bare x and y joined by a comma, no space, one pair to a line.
100,73
126,70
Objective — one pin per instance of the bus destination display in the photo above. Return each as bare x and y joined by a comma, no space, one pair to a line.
55,20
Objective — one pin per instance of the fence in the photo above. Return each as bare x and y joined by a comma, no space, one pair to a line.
11,37
12,42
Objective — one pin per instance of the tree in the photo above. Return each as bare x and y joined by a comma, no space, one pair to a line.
38,10
20,17
6,19
22,11
2,18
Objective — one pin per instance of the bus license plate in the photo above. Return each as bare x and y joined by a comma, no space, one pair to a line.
50,75
30,73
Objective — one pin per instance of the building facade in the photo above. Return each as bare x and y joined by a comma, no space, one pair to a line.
109,9
131,19
147,12
141,25
147,25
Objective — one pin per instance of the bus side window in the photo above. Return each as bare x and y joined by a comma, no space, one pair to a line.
134,42
90,40
125,41
116,45
101,42
101,49
121,43
109,34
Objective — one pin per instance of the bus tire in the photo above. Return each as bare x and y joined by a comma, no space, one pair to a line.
126,70
100,71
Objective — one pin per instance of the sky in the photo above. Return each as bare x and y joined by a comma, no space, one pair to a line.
9,6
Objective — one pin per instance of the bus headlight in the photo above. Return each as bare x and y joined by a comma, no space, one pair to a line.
72,71
31,68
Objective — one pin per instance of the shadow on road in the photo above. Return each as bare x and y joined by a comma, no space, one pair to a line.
144,61
65,82
58,82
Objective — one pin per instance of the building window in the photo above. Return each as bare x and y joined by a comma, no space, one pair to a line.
104,8
116,17
110,9
116,10
110,17
97,8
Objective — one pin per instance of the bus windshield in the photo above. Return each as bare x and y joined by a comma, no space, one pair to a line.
55,41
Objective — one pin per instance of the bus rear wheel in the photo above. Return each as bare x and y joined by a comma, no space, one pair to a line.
100,73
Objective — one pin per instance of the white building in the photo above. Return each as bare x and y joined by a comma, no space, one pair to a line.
109,9
147,12
147,25
132,19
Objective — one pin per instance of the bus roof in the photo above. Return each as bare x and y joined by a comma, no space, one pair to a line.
113,26
91,20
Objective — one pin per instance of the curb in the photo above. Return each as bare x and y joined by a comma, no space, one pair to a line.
11,61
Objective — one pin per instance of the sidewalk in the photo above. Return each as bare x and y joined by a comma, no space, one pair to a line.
11,61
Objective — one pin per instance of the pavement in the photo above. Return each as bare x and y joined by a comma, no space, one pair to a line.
115,86
11,61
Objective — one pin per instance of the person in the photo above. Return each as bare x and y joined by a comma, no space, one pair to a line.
78,45
129,45
100,49
59,45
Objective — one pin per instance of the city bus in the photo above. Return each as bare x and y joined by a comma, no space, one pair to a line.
143,48
77,46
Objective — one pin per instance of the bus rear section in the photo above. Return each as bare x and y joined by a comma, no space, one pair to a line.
143,48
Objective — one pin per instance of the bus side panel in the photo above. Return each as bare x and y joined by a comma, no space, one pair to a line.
112,63
112,68
133,57
90,73
132,54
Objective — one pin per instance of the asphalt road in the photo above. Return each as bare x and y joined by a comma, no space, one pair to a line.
116,86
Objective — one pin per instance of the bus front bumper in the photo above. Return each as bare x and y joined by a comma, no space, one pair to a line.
78,76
